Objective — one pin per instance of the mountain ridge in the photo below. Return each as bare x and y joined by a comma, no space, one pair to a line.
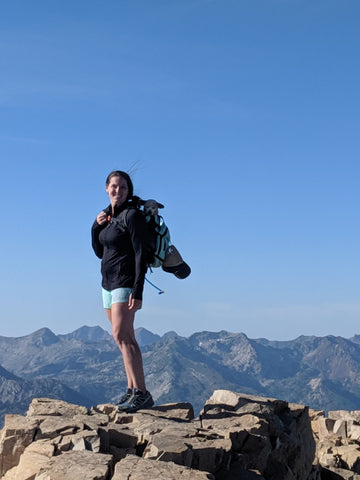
322,372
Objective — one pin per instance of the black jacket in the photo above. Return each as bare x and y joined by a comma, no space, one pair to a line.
122,253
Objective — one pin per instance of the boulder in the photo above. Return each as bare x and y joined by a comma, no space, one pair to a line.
84,440
35,456
349,456
169,448
274,437
210,455
120,436
18,432
51,427
234,401
340,428
52,407
175,411
136,468
354,433
77,465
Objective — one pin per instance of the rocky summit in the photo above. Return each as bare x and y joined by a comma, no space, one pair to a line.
236,436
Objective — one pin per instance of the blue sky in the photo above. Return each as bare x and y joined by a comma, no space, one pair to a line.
242,117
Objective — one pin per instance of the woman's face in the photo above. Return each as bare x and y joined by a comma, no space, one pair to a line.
117,190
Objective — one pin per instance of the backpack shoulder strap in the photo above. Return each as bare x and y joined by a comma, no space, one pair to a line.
121,219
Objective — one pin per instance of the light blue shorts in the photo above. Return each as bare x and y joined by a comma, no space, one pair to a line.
119,295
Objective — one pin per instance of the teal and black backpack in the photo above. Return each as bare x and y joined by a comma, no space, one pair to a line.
157,235
159,250
158,240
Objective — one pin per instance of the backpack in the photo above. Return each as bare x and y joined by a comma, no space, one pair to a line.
157,236
158,240
159,250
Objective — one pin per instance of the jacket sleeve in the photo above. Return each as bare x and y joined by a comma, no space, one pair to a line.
96,245
95,232
136,225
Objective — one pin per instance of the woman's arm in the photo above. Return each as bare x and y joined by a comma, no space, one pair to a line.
98,225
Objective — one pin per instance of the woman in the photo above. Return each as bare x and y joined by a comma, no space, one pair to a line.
123,268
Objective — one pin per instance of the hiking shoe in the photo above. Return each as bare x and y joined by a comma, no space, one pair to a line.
125,397
137,401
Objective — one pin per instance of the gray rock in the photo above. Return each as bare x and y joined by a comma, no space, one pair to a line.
169,448
135,468
49,406
120,436
52,427
177,411
275,439
17,434
77,465
34,457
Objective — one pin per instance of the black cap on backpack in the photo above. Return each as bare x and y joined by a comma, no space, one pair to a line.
174,263
180,271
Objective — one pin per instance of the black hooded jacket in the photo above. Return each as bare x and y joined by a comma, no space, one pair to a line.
122,253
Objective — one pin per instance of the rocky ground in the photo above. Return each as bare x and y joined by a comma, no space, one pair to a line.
236,436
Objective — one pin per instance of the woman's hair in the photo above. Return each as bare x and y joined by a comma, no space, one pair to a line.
126,177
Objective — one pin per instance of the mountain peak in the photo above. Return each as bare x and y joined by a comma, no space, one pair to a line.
145,337
89,334
43,336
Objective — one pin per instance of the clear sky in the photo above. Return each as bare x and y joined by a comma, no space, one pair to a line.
241,116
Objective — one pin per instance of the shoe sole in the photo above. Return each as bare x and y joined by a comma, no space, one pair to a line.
148,404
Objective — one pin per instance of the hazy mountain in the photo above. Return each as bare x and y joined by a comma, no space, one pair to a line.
85,367
355,339
90,334
16,393
144,337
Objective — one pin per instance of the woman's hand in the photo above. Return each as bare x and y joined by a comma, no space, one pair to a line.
101,218
134,303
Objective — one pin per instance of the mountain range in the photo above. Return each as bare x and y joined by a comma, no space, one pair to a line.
85,367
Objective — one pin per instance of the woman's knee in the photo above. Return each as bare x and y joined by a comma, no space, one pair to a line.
122,320
123,337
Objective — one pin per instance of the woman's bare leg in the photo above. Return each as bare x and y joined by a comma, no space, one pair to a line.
122,321
108,313
129,384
